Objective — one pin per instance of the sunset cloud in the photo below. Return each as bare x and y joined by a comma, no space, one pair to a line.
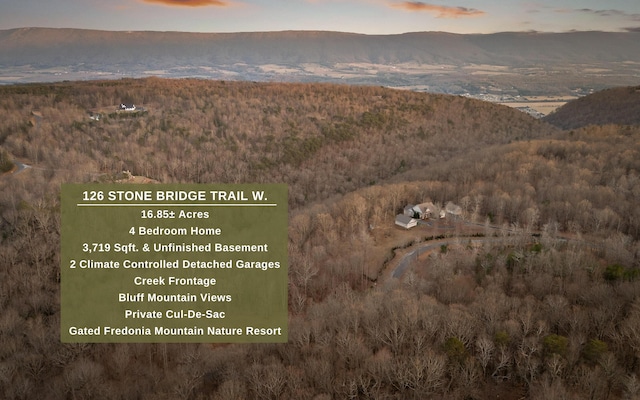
190,3
438,11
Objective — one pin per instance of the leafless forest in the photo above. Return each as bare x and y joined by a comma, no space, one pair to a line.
530,316
620,105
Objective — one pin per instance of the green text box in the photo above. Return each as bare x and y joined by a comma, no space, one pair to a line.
174,263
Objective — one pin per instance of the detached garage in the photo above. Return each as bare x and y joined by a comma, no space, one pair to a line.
406,221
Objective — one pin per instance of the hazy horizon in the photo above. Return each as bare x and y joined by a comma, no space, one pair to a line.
323,31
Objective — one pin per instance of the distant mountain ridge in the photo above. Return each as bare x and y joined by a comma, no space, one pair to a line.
49,45
242,55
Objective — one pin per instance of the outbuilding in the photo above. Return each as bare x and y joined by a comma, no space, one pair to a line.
406,221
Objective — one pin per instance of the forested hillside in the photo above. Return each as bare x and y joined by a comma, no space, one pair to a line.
545,308
208,131
620,106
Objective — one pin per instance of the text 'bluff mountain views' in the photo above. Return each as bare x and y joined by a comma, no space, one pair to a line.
311,214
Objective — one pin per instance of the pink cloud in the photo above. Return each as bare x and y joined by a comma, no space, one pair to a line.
439,11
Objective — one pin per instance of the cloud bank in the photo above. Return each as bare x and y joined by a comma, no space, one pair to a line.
603,13
608,13
437,10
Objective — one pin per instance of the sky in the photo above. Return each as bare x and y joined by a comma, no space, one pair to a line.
358,16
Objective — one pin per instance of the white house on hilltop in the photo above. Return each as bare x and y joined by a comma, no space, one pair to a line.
127,107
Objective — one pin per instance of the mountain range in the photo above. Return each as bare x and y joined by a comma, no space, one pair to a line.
529,62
